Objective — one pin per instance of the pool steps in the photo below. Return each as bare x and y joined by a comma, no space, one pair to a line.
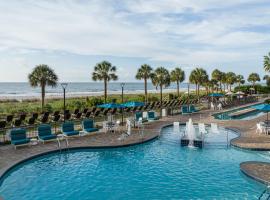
242,112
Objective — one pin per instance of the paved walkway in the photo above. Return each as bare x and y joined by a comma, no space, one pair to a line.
247,128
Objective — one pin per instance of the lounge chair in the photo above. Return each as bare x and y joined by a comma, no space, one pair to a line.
152,116
139,115
68,129
88,126
45,133
18,137
192,109
185,110
260,128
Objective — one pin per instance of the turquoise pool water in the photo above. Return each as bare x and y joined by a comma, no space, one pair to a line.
160,169
247,116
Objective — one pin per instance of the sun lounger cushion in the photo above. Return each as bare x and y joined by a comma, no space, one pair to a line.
18,136
68,129
45,132
88,126
151,116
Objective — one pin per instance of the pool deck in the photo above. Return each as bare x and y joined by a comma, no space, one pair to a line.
248,139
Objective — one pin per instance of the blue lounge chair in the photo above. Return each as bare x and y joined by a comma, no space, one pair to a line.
88,126
18,137
139,115
152,116
185,110
68,129
45,133
192,109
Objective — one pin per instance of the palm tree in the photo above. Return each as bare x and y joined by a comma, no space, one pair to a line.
217,75
198,76
224,80
239,80
104,71
42,76
267,79
230,79
161,79
253,78
145,73
178,76
266,63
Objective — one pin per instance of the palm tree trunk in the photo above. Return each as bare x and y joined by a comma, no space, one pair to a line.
42,96
145,90
160,100
105,91
199,92
220,86
230,87
178,94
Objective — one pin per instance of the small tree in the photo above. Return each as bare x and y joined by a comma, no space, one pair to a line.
145,73
253,78
178,76
104,71
161,79
42,76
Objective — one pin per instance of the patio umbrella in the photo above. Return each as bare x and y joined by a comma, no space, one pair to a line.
240,93
216,95
133,104
111,105
263,107
229,93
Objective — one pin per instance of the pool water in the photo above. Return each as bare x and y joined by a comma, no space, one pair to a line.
160,169
247,116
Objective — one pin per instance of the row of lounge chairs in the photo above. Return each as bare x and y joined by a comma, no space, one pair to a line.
188,109
18,136
46,117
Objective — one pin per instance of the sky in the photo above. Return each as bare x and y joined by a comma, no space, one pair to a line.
71,36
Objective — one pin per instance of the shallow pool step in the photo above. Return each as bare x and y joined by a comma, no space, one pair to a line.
242,112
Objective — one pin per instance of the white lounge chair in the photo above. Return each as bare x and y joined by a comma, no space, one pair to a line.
214,128
212,106
260,128
219,106
202,129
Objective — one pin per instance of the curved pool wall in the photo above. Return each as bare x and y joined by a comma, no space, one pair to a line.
247,116
156,170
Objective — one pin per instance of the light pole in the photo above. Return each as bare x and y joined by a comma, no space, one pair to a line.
122,86
64,86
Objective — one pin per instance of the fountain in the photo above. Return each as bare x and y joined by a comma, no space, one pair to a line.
190,139
190,133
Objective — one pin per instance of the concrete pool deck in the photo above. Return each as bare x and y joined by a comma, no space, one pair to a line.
248,139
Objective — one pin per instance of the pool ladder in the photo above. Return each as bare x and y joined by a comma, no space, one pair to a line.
59,143
265,194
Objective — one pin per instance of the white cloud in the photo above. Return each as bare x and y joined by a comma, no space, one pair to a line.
188,32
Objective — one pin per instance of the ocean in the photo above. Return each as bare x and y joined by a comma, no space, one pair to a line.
23,90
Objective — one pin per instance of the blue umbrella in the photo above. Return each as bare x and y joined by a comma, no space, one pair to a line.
263,107
216,95
133,104
111,105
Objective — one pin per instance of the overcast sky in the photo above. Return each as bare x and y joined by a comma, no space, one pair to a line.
72,36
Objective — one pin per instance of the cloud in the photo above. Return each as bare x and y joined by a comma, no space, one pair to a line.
186,32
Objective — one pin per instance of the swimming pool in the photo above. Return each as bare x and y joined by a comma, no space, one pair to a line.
248,116
160,169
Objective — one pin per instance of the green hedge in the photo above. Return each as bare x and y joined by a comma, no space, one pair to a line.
258,89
